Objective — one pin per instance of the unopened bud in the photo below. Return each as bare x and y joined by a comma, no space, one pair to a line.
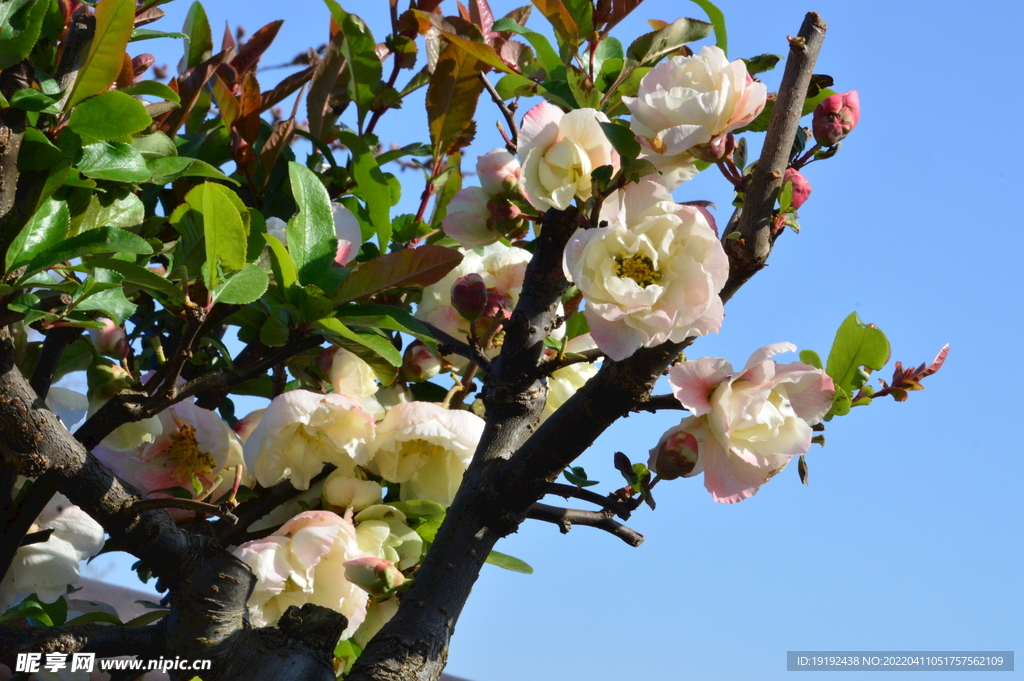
675,456
141,63
111,340
835,117
719,148
378,576
419,363
801,187
505,217
106,380
469,296
499,172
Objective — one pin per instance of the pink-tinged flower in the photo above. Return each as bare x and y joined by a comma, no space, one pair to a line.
304,562
747,425
419,363
346,228
111,340
559,151
801,187
686,101
245,425
349,233
676,455
835,117
499,172
303,430
652,275
47,568
193,443
469,296
425,448
342,491
475,218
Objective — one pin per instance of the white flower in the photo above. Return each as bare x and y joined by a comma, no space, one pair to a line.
346,228
304,562
652,275
342,491
559,151
563,383
352,377
69,405
686,101
499,172
468,218
377,615
47,568
303,430
383,533
747,426
425,448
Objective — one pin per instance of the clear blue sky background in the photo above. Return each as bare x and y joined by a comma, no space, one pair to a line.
909,536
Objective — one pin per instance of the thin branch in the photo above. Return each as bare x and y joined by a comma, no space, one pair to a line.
552,365
456,346
565,518
164,381
144,505
508,113
609,503
661,402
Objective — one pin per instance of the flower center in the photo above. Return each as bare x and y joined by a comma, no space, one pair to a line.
639,268
185,453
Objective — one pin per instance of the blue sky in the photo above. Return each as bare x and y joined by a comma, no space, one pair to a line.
909,536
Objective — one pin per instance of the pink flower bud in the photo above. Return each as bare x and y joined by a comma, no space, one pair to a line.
676,456
801,187
468,217
377,576
469,296
499,172
505,217
419,363
835,117
111,340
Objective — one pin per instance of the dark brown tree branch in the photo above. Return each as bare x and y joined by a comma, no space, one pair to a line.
660,403
454,346
56,341
565,518
106,640
552,365
609,503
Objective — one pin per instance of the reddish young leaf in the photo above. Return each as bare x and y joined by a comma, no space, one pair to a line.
937,363
410,267
248,123
560,18
285,88
451,100
249,54
480,14
127,74
189,86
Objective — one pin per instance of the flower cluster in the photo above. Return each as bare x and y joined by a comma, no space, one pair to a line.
745,426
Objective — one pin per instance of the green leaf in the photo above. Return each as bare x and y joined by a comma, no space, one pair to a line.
152,88
650,47
718,19
409,267
360,52
546,54
110,301
419,508
147,618
244,287
856,345
609,48
45,229
149,34
116,208
576,475
385,317
841,404
115,20
170,168
115,161
284,269
379,345
428,530
143,277
28,99
576,326
224,231
38,152
812,358
761,63
562,21
312,241
198,37
371,186
154,146
623,139
109,116
92,617
21,22
508,562
93,242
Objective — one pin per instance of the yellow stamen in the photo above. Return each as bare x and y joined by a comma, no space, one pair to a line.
639,268
185,453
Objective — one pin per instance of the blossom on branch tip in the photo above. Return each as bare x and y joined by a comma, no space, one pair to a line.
499,172
559,151
688,101
653,274
111,340
835,117
746,425
801,187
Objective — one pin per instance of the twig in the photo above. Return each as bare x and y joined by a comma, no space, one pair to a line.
565,518
144,505
509,114
456,346
164,381
609,503
661,402
552,365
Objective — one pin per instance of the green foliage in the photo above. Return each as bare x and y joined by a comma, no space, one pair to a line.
312,242
115,20
108,116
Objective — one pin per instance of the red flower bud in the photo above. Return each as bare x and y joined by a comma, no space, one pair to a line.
110,340
677,456
835,117
419,363
469,296
801,187
717,149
